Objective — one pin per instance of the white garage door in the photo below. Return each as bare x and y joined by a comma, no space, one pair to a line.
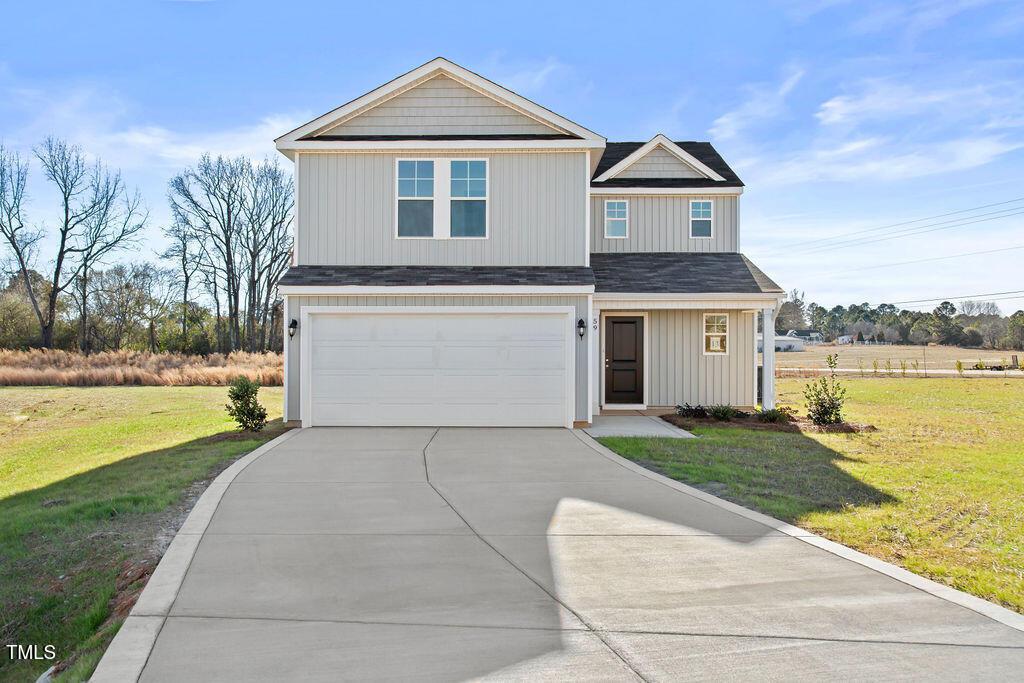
468,368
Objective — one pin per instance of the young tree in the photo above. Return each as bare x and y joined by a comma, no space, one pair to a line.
96,215
186,256
792,314
158,288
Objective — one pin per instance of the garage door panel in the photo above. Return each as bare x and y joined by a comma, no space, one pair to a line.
439,369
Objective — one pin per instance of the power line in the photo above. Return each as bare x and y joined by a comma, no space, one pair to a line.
896,225
960,297
926,260
909,233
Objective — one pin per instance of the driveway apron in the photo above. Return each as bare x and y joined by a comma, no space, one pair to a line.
450,554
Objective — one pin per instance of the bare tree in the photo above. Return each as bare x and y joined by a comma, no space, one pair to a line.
158,289
186,257
96,216
119,301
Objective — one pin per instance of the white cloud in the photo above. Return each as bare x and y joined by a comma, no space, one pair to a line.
764,102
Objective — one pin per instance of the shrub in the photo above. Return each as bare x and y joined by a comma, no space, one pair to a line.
972,338
903,367
980,365
687,410
960,367
724,413
244,406
776,415
825,396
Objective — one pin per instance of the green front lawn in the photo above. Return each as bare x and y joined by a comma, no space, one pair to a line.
938,489
93,483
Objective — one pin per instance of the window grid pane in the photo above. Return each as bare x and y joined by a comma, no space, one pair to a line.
415,178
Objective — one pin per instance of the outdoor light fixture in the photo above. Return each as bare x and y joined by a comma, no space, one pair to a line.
292,326
581,327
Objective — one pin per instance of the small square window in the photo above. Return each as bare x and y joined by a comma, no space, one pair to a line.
701,218
716,333
616,219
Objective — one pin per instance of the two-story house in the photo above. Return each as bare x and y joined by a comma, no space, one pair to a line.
464,256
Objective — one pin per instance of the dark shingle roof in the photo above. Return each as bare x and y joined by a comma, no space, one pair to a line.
418,276
679,273
615,152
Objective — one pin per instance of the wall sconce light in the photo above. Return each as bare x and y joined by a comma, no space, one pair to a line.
581,327
292,326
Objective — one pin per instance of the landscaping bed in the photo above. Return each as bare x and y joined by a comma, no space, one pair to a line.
745,420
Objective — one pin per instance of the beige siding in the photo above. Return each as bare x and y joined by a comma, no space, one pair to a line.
681,373
295,304
659,163
346,212
440,106
660,223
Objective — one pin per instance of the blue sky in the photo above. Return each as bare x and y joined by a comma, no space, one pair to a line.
840,116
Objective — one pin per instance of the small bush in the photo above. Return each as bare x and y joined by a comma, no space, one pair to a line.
244,406
980,365
687,410
960,367
825,396
776,415
723,413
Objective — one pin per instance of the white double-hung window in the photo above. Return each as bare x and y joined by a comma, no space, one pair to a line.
716,334
616,219
701,218
442,198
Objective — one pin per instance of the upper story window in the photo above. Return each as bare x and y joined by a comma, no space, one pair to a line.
616,218
441,198
716,333
701,218
469,198
415,198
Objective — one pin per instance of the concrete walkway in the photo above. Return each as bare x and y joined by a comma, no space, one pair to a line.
366,554
635,425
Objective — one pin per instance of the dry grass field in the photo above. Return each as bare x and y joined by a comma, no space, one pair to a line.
60,368
854,357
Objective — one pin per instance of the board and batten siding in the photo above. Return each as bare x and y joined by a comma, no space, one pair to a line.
681,373
346,211
295,304
662,223
441,106
660,163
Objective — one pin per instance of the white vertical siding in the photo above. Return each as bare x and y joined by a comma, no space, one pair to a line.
441,106
537,212
659,163
295,304
681,373
660,223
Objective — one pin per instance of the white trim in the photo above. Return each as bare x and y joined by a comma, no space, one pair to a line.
443,198
667,191
570,346
586,213
589,339
689,208
704,335
616,237
672,148
647,365
296,229
286,318
753,355
767,359
703,297
434,290
433,68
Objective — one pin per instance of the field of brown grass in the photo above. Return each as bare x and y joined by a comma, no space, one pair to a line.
855,357
61,368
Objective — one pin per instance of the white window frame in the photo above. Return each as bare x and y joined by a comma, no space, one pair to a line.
486,198
433,198
705,334
615,237
443,200
689,219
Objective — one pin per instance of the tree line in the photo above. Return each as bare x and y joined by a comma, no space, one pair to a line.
975,324
212,289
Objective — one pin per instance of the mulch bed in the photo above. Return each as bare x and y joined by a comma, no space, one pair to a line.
797,425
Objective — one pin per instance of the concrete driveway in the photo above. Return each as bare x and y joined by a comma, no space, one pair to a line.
448,554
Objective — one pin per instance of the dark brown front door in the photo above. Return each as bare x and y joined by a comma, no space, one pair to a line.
624,360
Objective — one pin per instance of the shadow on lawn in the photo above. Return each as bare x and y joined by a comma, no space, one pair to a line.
783,474
62,546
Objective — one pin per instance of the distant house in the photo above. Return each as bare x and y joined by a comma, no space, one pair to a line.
808,336
782,343
844,339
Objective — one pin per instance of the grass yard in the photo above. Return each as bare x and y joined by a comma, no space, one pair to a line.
93,484
857,356
938,489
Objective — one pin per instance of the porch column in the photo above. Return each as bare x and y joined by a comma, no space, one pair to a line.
768,358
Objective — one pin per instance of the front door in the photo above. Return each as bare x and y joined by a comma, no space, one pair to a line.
624,360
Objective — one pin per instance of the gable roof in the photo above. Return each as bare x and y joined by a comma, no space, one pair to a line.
306,136
615,153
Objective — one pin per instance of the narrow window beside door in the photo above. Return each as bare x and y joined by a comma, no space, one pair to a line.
716,333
